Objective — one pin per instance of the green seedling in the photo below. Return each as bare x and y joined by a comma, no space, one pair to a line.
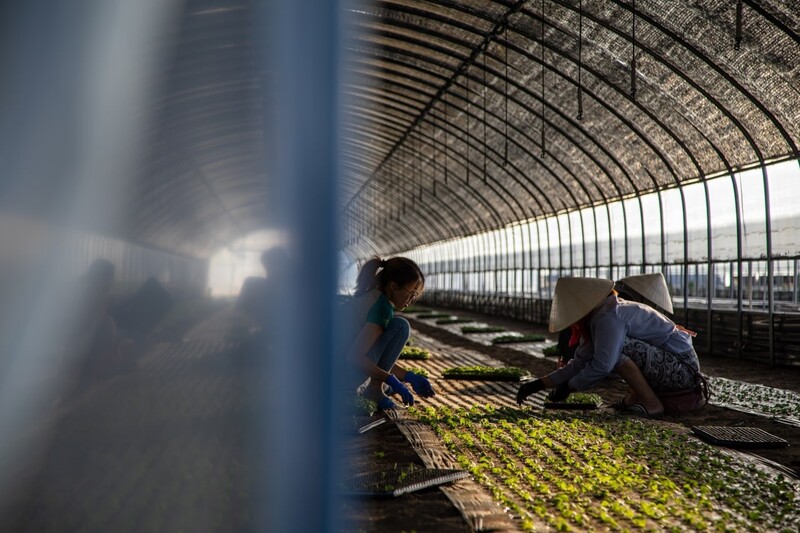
602,471
412,352
454,320
508,373
550,351
482,329
507,339
425,316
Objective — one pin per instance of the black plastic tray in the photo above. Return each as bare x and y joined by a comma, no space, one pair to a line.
739,437
398,481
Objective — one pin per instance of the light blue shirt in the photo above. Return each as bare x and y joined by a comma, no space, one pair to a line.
612,321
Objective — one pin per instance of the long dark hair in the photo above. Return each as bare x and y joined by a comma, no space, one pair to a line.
379,272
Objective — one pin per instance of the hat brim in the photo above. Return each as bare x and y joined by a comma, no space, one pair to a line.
574,298
651,287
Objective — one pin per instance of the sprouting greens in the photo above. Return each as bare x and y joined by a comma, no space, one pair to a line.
453,320
506,339
482,329
506,373
413,352
601,472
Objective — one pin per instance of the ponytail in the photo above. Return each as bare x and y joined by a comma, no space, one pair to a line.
400,270
366,280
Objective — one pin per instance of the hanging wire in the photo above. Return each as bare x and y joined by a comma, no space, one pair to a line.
738,44
469,120
417,170
505,111
414,169
484,115
544,151
446,136
419,162
633,50
433,139
580,60
405,176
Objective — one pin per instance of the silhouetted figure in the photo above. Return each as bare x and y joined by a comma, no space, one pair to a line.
95,343
252,300
139,314
256,305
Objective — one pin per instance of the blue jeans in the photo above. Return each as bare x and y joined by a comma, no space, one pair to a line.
387,348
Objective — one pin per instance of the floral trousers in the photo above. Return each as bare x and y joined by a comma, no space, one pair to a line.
665,371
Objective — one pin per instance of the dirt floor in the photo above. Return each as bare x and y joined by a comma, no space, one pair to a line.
430,510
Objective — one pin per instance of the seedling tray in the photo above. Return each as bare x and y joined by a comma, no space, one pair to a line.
396,482
739,437
576,401
412,352
512,339
477,373
467,330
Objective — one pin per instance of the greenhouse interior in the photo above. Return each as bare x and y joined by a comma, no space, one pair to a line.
202,200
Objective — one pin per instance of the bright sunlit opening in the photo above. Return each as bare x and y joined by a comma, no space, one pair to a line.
230,266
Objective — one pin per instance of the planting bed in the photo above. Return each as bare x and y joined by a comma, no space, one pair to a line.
576,400
482,329
773,514
415,352
429,315
510,339
484,373
757,399
454,320
568,472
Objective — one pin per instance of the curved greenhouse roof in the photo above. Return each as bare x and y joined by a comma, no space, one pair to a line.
467,116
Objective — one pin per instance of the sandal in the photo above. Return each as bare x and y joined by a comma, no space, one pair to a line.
639,410
619,405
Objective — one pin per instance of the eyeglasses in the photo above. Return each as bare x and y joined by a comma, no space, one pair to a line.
413,295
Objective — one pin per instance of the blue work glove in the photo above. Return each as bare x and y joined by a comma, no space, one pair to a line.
420,384
560,393
531,387
399,388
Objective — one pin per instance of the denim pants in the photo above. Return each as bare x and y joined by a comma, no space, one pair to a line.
387,348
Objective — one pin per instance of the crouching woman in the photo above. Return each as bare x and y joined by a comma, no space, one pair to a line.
376,336
614,335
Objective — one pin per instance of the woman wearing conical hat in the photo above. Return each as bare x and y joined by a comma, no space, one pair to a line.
650,289
614,335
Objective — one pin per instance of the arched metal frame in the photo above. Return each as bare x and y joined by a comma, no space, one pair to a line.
464,80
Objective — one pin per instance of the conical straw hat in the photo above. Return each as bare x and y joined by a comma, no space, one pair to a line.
651,286
574,298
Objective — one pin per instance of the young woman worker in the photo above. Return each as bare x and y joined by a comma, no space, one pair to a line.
377,335
614,335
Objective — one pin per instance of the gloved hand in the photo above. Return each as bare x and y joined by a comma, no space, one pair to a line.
420,384
560,393
531,387
399,388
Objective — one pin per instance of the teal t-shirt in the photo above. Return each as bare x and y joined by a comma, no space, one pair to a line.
367,308
381,312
